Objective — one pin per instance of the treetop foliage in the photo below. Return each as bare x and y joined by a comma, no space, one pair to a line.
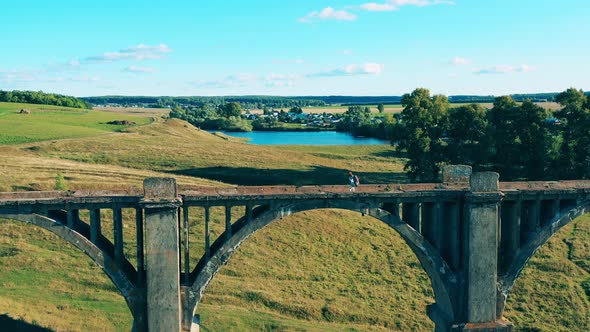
518,140
39,97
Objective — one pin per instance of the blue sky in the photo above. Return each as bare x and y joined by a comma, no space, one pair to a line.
294,47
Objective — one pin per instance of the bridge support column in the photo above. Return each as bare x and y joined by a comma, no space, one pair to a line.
479,312
161,204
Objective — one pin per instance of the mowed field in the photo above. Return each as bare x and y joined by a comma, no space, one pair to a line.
139,111
53,122
396,108
324,270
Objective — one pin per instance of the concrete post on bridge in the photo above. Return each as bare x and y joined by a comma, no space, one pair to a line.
480,254
161,204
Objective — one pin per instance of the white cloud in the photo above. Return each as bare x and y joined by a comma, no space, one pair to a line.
378,7
353,70
17,75
281,80
457,61
419,3
138,69
503,69
138,52
328,13
346,52
390,5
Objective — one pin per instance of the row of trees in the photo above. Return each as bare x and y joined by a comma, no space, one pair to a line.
39,97
213,117
247,102
282,102
520,141
359,121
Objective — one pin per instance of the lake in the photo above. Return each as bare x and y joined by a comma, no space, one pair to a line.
302,138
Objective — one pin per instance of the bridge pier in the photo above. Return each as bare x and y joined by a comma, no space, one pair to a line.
477,308
162,260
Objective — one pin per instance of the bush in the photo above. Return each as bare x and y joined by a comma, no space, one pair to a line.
60,182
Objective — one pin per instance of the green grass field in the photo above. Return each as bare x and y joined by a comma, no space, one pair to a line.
53,122
323,270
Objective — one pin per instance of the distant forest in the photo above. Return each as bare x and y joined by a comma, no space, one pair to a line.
261,102
246,102
39,97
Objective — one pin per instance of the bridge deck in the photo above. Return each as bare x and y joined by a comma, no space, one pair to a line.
195,194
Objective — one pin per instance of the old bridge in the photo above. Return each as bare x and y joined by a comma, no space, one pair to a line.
471,234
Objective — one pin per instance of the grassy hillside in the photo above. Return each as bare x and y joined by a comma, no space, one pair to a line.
47,122
325,270
178,148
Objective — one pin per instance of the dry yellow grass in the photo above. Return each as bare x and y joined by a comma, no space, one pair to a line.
25,170
139,111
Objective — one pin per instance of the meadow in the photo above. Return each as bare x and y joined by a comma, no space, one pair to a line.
324,270
47,122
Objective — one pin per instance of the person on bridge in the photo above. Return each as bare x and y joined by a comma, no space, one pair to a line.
353,180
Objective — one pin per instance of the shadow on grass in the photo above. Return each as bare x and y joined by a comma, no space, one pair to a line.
318,175
9,324
390,154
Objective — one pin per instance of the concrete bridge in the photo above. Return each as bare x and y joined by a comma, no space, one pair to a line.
471,234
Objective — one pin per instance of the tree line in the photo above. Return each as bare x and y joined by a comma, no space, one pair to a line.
521,141
246,102
209,116
284,102
39,97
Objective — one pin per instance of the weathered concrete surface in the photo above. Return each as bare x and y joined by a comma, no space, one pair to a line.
162,255
159,189
481,263
495,326
484,182
481,224
456,173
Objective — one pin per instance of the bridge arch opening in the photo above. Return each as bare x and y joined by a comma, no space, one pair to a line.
49,281
555,278
327,268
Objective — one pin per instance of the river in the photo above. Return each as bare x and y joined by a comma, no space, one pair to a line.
302,138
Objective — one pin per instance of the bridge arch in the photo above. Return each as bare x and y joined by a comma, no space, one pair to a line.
114,271
508,279
441,276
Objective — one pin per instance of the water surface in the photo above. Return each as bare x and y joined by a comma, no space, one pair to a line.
303,138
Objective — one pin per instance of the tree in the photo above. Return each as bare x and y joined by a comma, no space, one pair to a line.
534,140
230,109
503,131
296,110
380,108
575,148
467,128
423,122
